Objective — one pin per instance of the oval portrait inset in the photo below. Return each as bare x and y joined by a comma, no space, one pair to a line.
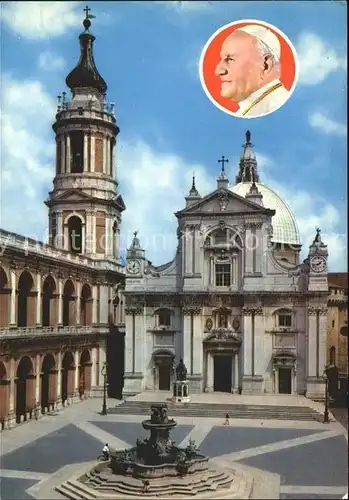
248,68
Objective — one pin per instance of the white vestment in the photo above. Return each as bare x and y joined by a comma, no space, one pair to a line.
268,103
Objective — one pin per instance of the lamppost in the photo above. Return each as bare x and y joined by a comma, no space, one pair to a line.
104,372
325,377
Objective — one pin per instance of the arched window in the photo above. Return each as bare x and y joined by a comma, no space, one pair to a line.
77,152
48,300
25,306
75,234
332,355
68,304
164,317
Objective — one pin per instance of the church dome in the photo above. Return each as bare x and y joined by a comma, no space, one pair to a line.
284,224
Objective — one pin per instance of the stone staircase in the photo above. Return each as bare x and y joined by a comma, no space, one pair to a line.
222,483
262,412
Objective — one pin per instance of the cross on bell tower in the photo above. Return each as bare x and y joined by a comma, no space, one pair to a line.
84,204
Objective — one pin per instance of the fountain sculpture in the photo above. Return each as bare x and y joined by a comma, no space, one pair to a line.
156,467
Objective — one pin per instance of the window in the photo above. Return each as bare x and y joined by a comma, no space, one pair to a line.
220,236
77,152
164,318
333,323
53,227
285,320
75,234
223,275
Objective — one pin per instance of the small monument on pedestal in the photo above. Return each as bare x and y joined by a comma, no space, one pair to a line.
181,386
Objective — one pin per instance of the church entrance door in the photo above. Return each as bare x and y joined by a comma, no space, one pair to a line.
285,384
164,377
222,373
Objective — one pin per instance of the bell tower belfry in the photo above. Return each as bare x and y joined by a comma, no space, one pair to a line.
84,205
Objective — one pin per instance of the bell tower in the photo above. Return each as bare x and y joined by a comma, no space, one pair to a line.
84,205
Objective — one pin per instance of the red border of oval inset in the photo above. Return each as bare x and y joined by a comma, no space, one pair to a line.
210,57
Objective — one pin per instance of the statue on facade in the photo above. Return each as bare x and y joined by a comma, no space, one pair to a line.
181,371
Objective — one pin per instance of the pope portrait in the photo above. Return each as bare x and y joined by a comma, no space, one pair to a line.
249,71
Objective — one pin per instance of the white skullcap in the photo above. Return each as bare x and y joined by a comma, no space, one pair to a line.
264,35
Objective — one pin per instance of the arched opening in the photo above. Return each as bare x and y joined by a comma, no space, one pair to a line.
77,152
75,234
85,373
26,300
4,394
48,302
48,383
67,380
5,293
163,373
332,355
25,389
69,304
86,306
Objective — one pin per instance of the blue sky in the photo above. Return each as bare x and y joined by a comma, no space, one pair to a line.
148,54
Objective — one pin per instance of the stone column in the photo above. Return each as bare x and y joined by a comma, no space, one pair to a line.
94,367
212,276
58,404
259,249
94,304
188,250
67,148
60,302
236,372
258,349
76,376
322,338
59,243
312,342
37,386
107,171
104,155
12,398
88,238
93,153
85,152
63,154
187,338
197,339
38,300
248,252
78,303
247,341
103,303
83,238
93,229
209,368
13,319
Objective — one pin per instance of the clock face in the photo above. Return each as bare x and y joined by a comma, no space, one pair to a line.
133,266
318,264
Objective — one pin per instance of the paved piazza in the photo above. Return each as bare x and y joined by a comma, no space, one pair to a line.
310,457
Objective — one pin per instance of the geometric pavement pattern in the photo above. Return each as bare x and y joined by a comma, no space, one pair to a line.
312,462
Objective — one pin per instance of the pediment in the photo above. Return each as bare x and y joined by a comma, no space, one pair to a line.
73,195
223,201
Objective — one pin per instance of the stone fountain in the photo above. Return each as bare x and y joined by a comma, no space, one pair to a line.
157,468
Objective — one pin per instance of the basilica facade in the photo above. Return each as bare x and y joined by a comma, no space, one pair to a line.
61,311
236,303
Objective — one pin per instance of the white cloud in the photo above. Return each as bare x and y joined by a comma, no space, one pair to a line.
321,122
186,7
311,211
49,61
34,20
154,186
316,59
27,155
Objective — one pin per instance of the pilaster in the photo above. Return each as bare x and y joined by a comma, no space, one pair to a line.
13,321
38,299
